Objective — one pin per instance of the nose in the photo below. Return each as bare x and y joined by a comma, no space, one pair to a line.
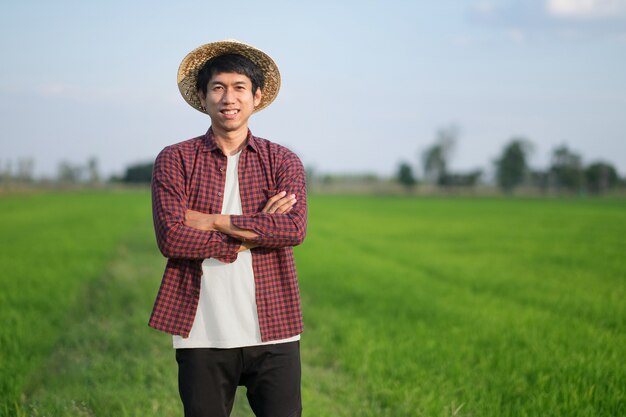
228,96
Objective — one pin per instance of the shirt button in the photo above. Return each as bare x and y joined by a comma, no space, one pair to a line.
221,169
219,194
271,234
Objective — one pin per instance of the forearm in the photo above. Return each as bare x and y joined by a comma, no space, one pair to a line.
176,240
263,229
271,230
219,223
225,225
281,223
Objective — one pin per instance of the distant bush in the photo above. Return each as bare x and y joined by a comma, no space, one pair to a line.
138,173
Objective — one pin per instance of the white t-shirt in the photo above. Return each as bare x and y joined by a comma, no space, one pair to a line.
227,313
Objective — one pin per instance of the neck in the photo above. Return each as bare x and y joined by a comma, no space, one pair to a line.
230,142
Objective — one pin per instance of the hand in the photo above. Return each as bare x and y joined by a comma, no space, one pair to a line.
217,223
246,246
200,221
280,203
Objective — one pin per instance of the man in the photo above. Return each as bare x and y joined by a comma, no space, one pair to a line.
228,208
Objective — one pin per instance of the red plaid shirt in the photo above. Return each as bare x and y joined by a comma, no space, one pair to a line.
191,175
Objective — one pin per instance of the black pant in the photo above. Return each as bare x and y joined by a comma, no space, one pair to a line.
208,380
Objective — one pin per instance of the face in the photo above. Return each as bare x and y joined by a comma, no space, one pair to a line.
229,101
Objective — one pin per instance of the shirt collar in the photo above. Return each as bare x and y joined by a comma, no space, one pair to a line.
210,145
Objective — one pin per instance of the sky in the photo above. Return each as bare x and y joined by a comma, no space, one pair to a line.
365,84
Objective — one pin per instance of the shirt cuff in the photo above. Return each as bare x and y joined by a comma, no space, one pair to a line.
246,223
231,246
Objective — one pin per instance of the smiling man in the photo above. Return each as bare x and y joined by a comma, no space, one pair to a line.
228,209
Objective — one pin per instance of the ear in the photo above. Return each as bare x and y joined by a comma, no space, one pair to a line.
202,98
257,97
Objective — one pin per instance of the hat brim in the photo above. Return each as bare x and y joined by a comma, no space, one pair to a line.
191,64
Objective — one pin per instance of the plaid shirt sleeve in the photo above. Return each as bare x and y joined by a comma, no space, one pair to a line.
169,203
281,230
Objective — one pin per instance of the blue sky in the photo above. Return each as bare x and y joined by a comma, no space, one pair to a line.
366,84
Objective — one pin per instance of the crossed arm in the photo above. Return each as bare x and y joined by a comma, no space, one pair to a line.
187,234
281,203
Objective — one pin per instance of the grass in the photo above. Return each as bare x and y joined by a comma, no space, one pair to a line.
469,307
107,362
413,307
52,246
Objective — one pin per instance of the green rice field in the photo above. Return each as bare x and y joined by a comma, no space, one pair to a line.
413,307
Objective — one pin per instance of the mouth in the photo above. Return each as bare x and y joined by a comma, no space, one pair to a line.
229,112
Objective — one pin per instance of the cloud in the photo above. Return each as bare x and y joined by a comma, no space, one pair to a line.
484,8
587,9
570,20
509,13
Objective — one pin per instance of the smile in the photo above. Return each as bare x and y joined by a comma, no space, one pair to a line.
229,112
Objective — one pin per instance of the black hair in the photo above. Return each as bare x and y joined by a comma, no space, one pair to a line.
230,63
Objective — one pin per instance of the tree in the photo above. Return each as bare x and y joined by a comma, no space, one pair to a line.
68,172
512,166
566,170
539,179
139,173
435,158
405,175
93,171
464,179
25,169
600,177
5,171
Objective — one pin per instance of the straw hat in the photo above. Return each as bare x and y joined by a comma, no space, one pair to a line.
191,64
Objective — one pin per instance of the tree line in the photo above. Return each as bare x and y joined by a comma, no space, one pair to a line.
21,173
566,171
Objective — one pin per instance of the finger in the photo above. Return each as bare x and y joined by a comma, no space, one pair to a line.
276,197
286,205
280,203
284,209
271,202
283,205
